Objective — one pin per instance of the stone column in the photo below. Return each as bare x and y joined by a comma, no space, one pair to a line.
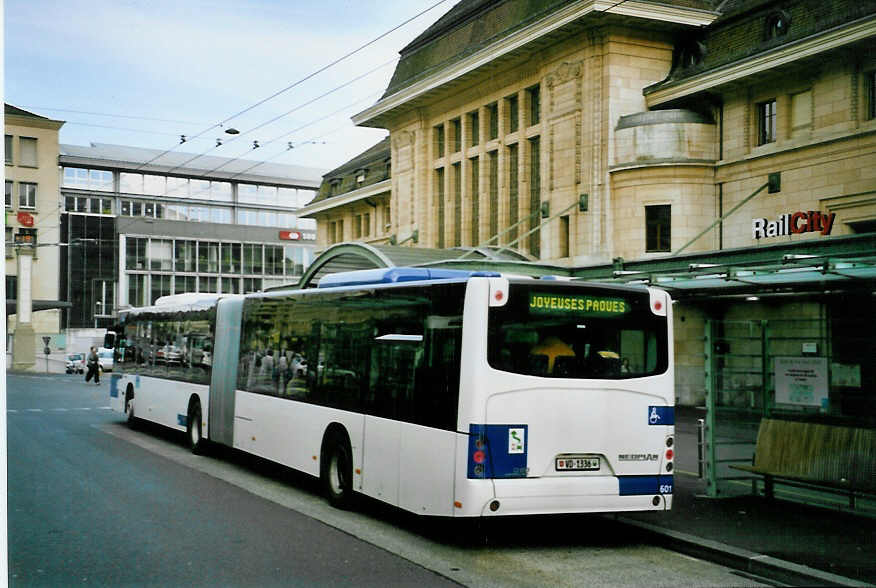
24,339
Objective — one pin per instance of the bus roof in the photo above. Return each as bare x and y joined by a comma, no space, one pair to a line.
395,275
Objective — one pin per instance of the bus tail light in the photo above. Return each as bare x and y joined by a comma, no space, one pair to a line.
670,453
659,301
497,451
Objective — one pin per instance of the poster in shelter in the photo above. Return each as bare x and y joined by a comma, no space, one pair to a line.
801,381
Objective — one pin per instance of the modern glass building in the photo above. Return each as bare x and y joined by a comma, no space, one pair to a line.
139,224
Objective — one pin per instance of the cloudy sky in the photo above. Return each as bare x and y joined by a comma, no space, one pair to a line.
165,68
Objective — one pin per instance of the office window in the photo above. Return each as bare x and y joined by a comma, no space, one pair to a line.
658,225
208,258
99,179
183,284
208,284
178,187
8,194
513,113
154,185
366,224
220,215
533,96
231,257
274,260
493,114
9,239
27,155
439,140
27,195
135,254
357,226
8,149
252,258
221,191
456,129
474,123
128,183
185,258
160,254
766,122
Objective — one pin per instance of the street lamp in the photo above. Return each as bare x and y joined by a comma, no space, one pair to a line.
98,305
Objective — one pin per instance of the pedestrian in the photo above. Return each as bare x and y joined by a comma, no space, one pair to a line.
93,366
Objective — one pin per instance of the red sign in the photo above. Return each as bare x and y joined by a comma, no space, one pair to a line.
25,219
290,235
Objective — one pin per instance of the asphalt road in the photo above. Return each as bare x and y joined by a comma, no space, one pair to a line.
92,501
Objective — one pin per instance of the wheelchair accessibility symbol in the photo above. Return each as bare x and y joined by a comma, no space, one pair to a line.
653,418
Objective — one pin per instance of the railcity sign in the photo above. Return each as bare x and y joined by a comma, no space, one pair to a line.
793,223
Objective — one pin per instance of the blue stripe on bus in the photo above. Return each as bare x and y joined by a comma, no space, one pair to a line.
636,485
181,420
114,385
661,415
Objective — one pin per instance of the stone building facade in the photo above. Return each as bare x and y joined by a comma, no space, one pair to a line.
32,227
651,142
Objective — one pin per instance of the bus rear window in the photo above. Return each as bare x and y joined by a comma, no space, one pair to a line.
566,331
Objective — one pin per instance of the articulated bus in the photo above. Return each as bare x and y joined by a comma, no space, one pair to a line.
442,392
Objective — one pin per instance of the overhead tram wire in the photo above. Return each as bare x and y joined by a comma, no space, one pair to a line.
615,5
288,112
284,135
302,80
106,114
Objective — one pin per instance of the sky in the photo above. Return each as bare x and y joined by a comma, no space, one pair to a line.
144,72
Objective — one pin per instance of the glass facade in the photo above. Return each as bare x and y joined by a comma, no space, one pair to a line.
159,266
98,204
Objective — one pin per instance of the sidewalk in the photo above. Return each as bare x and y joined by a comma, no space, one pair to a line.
798,544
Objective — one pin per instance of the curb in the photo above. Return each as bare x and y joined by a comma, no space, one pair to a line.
742,559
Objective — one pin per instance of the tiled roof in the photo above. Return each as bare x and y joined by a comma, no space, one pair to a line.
472,25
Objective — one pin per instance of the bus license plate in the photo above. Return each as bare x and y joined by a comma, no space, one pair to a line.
577,463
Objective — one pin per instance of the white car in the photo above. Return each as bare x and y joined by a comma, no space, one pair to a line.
75,363
105,359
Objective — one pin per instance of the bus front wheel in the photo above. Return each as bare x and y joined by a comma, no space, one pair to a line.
337,471
193,426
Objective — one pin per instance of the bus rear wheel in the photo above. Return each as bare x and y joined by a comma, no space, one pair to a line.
337,471
197,442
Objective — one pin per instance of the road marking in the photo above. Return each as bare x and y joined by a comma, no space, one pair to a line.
57,409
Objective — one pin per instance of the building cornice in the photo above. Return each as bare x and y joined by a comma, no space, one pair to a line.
521,38
342,200
804,48
33,121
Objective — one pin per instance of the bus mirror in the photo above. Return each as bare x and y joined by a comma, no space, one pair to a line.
109,340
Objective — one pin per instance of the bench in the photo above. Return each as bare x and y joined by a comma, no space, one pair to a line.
816,456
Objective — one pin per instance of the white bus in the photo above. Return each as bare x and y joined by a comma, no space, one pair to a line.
442,392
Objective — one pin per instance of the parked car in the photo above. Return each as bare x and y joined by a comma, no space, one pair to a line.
105,359
75,363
